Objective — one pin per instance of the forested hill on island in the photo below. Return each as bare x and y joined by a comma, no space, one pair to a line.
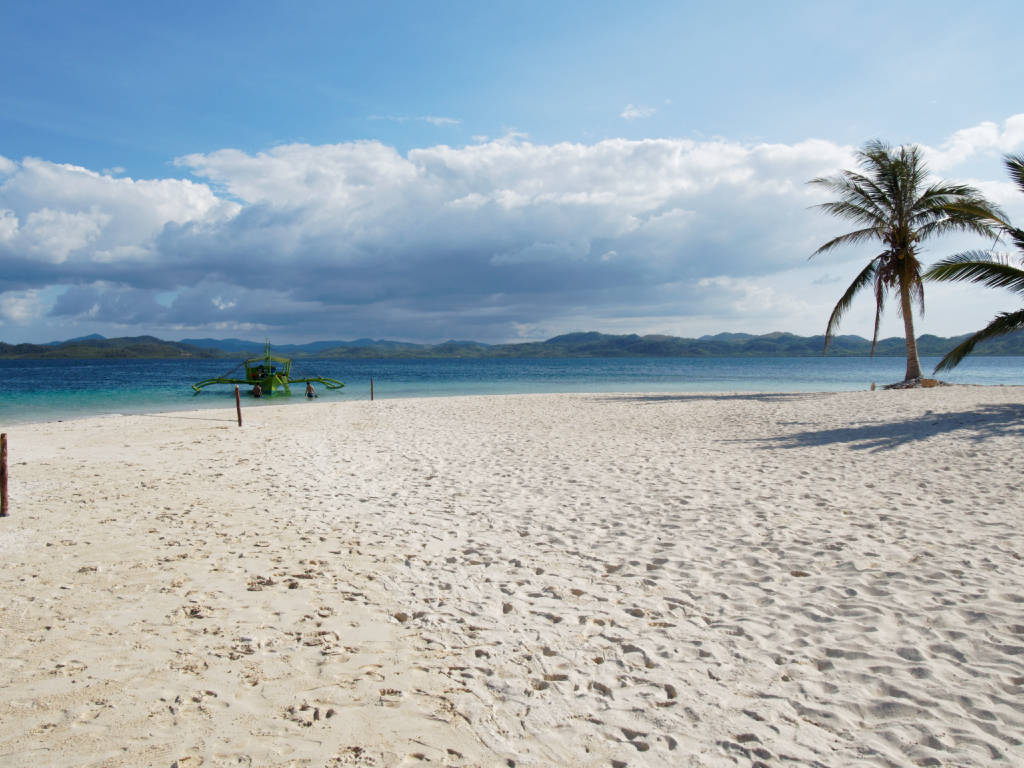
570,345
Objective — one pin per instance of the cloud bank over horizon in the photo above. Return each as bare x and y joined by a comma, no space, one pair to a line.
500,240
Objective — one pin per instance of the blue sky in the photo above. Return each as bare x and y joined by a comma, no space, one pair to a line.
497,171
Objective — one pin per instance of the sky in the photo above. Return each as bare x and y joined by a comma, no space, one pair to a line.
499,171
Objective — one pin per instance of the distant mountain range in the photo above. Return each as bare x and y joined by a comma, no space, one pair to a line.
96,346
590,344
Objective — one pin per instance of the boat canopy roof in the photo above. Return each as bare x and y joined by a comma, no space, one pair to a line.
267,358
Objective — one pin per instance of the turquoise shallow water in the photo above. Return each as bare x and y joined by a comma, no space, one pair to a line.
47,390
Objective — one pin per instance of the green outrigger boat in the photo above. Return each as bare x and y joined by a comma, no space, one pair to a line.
272,372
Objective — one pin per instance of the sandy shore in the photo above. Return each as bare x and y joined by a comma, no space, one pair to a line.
579,580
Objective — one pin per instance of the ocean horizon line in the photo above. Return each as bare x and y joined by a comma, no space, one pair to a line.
60,389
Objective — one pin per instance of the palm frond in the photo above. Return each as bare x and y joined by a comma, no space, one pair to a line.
866,276
978,267
889,196
960,258
917,292
849,238
1015,167
952,224
1017,235
946,208
879,299
1003,323
845,209
867,190
880,291
856,191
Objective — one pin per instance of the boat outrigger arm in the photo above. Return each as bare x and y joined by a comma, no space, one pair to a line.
271,372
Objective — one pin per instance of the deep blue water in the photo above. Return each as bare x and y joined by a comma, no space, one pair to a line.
46,390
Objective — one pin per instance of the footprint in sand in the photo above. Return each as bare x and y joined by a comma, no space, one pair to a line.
389,697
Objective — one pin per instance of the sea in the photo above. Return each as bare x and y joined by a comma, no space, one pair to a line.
57,390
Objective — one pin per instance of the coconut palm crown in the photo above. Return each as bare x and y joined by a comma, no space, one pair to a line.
990,269
891,200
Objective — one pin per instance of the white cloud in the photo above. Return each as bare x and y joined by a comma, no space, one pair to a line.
440,120
478,241
8,225
432,119
21,307
53,212
53,235
493,233
752,298
967,142
636,113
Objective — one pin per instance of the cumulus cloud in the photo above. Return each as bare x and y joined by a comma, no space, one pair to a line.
504,224
21,307
52,235
8,225
635,113
486,240
66,224
987,136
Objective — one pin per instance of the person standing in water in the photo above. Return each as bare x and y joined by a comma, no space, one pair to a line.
310,392
257,390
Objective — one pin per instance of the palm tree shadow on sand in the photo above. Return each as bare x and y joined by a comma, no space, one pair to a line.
977,425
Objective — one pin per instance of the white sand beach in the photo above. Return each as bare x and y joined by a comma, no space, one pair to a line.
546,580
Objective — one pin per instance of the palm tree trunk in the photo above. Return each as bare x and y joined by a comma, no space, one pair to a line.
913,364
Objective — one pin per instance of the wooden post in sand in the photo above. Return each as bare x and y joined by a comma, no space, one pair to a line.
371,388
3,475
238,405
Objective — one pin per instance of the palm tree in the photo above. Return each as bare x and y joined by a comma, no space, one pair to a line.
989,269
891,201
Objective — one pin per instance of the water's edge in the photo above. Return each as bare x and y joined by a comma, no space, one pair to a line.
50,390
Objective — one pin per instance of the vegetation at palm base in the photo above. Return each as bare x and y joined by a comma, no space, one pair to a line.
989,269
573,345
894,206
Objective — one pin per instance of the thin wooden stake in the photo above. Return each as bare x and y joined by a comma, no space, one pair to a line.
371,388
238,405
3,475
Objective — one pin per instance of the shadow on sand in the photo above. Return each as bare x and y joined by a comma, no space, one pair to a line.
977,425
